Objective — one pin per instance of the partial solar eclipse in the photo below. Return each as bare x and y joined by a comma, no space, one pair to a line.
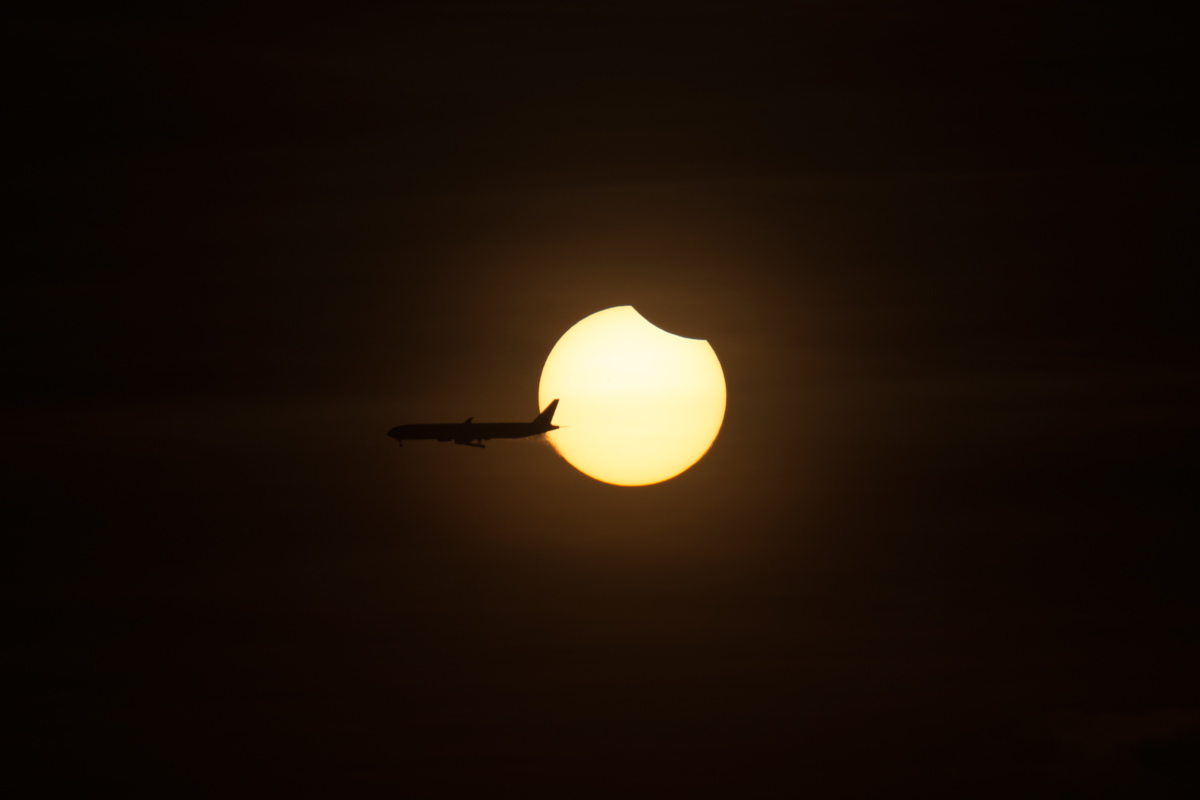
638,405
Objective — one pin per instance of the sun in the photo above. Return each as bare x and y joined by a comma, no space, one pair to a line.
638,405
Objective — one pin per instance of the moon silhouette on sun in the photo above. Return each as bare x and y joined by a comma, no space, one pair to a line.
638,405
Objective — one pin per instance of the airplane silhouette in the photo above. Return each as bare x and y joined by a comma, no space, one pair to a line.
473,434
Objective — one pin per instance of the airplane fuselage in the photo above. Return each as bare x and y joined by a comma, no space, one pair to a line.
473,433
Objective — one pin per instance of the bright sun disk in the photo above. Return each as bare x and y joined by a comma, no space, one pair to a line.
638,405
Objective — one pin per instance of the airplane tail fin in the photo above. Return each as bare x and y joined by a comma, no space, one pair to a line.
544,419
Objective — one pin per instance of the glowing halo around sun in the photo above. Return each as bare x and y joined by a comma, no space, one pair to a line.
637,405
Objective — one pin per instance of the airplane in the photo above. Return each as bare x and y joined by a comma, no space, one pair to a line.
473,434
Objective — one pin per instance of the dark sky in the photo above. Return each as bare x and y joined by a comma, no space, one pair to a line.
943,546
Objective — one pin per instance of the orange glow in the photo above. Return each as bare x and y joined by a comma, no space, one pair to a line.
638,405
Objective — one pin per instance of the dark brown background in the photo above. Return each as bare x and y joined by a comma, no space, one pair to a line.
943,546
